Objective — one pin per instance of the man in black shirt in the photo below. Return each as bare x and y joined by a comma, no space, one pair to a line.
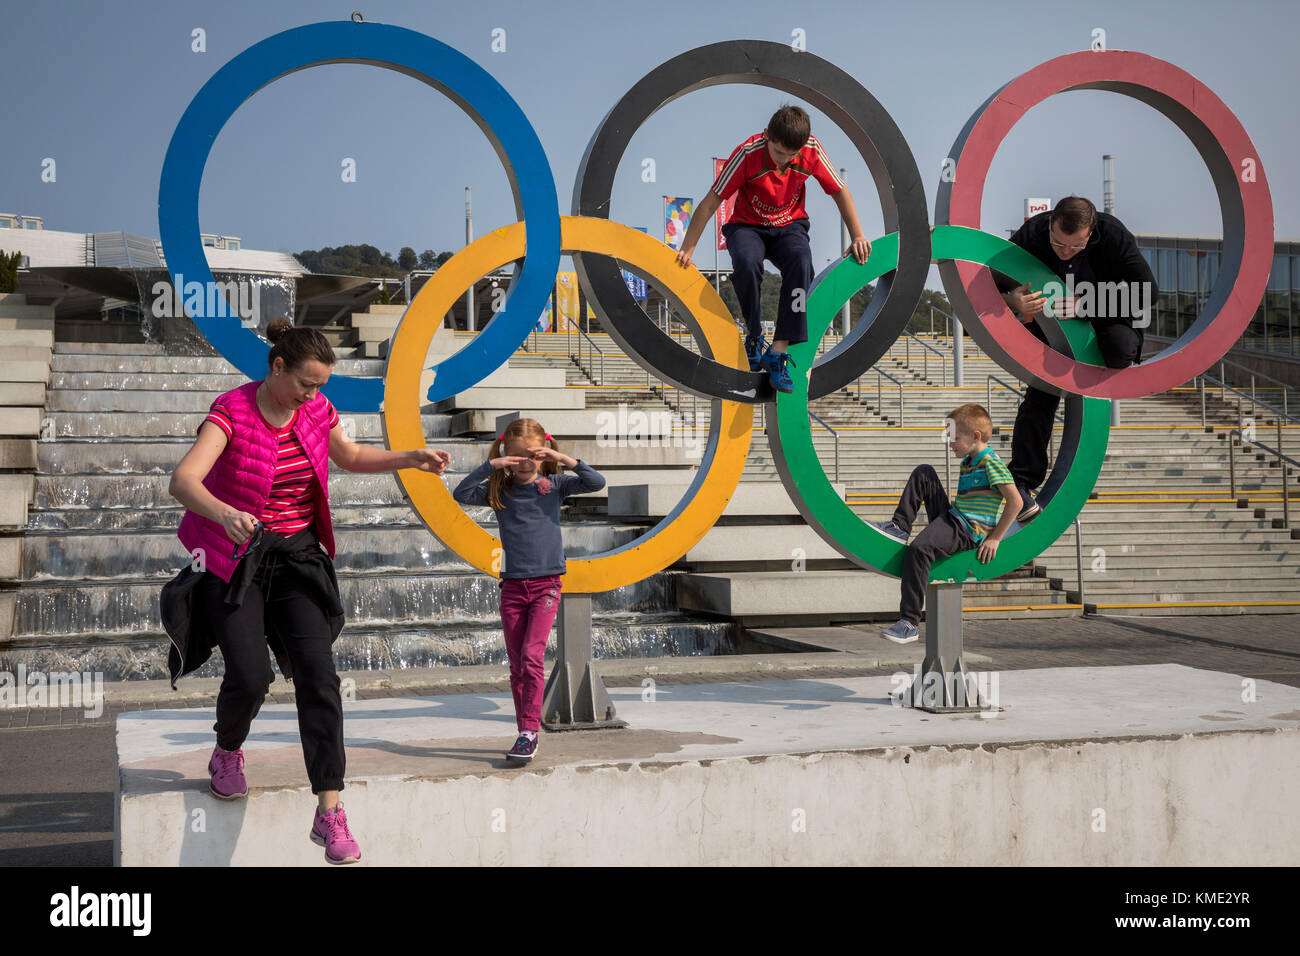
1092,252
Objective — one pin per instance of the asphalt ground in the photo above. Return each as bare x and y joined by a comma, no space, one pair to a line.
56,785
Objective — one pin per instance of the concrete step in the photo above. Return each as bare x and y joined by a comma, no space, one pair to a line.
77,611
767,597
163,454
654,501
1137,604
360,426
113,555
502,400
639,420
180,364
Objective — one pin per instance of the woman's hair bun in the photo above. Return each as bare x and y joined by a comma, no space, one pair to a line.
277,328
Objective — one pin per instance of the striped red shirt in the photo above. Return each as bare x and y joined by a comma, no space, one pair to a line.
767,197
290,507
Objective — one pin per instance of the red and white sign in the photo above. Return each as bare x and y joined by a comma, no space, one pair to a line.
1034,206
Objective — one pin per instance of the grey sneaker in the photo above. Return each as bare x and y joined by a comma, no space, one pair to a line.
890,528
901,633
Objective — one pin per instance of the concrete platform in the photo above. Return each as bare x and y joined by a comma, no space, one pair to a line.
1159,764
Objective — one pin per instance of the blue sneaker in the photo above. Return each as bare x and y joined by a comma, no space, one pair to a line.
1029,509
901,633
775,363
755,346
891,529
523,749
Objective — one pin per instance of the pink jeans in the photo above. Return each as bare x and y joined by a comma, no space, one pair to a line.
528,609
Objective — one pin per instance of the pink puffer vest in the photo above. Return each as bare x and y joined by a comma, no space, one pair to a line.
242,476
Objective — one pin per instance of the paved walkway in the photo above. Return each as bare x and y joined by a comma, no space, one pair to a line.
56,796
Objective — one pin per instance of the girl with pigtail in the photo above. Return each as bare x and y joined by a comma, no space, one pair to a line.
521,482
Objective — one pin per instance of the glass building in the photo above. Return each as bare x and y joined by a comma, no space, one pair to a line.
1187,266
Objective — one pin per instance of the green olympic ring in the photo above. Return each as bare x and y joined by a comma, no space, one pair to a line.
830,515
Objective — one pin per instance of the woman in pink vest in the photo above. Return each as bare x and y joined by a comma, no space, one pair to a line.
256,489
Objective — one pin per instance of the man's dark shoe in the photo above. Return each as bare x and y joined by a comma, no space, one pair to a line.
1029,509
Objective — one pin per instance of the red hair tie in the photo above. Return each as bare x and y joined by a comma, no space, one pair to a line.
549,438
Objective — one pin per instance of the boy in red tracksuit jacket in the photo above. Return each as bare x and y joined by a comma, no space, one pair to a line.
770,171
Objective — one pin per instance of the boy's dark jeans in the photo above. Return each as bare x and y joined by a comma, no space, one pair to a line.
943,536
788,249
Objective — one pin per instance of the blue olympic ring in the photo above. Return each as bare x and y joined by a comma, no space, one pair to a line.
482,98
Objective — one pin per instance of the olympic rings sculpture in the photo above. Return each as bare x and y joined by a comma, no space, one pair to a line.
1069,364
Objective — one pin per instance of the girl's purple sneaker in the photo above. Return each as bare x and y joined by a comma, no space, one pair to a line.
523,749
330,830
226,768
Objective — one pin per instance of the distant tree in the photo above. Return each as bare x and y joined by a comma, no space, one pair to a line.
367,260
9,271
384,297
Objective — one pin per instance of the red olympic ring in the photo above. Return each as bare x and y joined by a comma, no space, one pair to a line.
1244,199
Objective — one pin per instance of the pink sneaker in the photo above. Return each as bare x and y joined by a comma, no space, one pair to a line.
330,830
226,767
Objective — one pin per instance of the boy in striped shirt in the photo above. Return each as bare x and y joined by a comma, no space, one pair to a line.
769,172
972,520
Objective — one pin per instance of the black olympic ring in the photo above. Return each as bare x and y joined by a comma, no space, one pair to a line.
893,167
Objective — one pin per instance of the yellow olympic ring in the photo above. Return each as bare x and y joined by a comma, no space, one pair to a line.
731,423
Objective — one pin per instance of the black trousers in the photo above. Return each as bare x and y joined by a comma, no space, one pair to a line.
945,535
1120,346
789,250
306,633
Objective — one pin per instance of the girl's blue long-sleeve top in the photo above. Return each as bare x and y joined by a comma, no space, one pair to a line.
530,521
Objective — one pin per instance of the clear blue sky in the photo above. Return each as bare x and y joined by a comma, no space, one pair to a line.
100,86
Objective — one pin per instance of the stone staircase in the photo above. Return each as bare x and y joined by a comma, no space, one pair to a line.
100,538
1161,536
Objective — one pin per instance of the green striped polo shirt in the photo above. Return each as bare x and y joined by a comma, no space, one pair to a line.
978,500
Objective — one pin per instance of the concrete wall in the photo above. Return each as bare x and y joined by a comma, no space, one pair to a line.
1176,800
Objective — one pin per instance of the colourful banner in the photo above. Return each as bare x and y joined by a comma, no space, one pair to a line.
566,301
677,216
725,209
635,284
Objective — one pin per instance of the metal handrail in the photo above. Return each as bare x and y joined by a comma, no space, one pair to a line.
1283,460
1282,412
925,367
951,319
879,404
591,344
1253,374
1078,560
988,393
834,433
